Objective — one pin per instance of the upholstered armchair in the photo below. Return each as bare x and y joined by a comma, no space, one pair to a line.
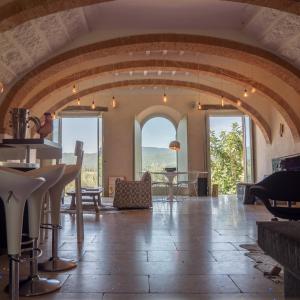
133,194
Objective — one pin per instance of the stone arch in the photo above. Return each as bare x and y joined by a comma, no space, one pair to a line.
279,102
159,111
244,107
215,46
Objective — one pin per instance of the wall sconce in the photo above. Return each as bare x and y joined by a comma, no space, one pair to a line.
281,129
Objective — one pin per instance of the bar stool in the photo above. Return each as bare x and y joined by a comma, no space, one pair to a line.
55,263
36,285
15,189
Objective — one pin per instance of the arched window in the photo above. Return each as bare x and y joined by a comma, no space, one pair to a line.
157,133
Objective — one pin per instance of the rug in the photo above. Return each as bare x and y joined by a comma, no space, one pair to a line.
88,208
264,263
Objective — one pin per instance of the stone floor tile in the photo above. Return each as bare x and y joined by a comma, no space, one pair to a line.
193,297
106,283
192,284
256,284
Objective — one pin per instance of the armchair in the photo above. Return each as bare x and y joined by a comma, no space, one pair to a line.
133,194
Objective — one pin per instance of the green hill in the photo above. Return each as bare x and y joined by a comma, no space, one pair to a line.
155,159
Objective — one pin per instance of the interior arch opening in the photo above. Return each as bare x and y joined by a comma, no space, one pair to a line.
157,133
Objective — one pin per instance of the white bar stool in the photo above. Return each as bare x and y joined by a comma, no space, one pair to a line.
56,264
36,285
15,189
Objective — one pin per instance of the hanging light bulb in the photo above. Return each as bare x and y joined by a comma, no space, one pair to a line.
74,89
253,90
54,116
1,87
114,102
199,106
93,104
78,101
165,99
246,93
222,101
239,103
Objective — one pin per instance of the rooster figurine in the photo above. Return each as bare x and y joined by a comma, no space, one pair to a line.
43,129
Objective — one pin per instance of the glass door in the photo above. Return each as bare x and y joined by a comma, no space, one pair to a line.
248,150
89,131
230,151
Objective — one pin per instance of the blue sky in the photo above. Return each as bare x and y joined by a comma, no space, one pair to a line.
223,123
83,129
157,132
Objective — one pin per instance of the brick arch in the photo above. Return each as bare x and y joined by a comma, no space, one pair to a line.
245,108
161,110
17,12
209,45
287,112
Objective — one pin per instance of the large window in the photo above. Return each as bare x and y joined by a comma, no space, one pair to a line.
88,130
230,148
157,133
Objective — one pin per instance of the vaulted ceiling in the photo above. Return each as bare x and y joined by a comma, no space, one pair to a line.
24,46
47,46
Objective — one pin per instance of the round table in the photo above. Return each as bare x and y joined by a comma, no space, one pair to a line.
171,176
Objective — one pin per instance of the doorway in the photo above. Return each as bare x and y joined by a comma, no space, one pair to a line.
230,151
67,130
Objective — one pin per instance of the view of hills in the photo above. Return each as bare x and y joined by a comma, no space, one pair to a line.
153,158
156,159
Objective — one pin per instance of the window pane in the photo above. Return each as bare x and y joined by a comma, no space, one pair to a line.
85,130
55,132
100,152
248,150
226,152
157,133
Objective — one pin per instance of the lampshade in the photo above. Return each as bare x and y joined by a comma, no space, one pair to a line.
174,145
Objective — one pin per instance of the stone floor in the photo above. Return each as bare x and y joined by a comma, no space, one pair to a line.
182,250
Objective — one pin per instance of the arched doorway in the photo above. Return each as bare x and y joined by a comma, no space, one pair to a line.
157,133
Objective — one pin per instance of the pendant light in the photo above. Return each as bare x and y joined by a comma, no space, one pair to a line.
222,101
245,93
174,145
1,87
199,106
239,103
253,90
114,102
165,99
93,105
74,89
78,101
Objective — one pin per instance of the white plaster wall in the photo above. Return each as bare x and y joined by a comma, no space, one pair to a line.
281,146
118,132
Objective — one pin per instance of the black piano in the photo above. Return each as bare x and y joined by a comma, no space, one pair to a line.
280,192
286,163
